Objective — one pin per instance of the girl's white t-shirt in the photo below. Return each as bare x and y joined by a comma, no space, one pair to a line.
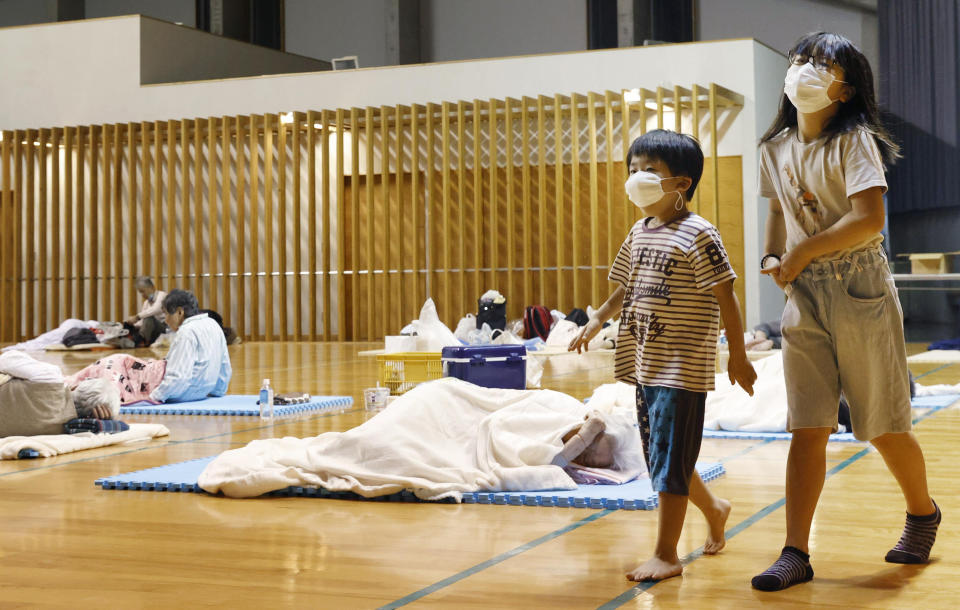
814,181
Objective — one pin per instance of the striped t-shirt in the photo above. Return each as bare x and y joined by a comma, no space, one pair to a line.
670,320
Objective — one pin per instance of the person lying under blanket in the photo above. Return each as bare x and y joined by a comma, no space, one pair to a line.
442,439
35,401
196,366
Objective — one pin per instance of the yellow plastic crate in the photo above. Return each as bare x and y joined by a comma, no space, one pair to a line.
401,371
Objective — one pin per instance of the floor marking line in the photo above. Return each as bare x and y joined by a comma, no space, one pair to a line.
403,601
503,557
939,368
636,590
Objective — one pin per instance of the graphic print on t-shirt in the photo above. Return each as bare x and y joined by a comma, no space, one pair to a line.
808,212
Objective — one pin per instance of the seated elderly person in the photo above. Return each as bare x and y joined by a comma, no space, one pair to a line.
196,366
149,321
35,401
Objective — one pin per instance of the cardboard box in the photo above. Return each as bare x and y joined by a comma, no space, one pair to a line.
932,263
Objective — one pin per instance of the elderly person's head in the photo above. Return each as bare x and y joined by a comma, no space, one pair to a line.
144,285
179,305
97,398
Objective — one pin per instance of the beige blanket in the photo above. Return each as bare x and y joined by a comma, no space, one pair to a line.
57,444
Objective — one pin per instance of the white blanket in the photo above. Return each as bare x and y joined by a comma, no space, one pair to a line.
728,407
56,444
439,440
53,336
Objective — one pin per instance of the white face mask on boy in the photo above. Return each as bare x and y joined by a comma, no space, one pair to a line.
806,87
645,189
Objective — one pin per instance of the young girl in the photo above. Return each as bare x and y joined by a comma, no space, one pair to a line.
822,166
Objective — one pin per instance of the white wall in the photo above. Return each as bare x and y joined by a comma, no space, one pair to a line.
779,23
175,11
325,30
466,29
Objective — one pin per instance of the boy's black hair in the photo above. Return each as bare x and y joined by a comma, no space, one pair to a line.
860,112
681,154
181,298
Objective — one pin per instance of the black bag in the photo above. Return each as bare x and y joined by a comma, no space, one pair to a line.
79,336
492,314
578,316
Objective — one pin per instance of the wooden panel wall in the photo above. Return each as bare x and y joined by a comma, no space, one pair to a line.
337,224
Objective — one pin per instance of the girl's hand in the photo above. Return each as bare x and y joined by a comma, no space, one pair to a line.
774,272
792,263
586,333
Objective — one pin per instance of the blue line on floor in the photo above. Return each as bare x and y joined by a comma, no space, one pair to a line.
636,590
546,538
939,368
403,601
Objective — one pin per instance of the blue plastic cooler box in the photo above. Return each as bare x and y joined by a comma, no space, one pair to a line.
490,366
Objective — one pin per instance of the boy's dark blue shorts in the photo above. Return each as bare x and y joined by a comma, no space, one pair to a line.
671,427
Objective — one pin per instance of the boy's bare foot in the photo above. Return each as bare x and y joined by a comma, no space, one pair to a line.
716,539
656,569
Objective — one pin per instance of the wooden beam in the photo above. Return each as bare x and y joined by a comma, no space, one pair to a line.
369,232
269,205
594,201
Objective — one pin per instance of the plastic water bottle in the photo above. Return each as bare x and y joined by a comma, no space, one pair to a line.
266,400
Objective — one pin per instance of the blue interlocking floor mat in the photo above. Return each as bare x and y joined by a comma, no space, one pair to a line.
236,405
933,403
635,495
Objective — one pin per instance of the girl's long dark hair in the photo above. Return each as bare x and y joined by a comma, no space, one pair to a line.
861,112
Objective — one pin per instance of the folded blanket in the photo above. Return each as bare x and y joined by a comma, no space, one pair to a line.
56,444
84,424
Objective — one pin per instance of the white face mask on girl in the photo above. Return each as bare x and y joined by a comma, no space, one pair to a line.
806,87
645,188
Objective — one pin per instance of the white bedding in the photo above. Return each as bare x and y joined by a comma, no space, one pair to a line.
53,336
56,444
439,440
728,407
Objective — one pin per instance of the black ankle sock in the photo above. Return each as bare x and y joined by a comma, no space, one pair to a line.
792,567
919,534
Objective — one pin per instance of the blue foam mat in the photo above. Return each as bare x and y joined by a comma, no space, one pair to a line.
235,405
933,403
635,495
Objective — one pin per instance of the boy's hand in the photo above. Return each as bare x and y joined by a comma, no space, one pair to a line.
583,337
740,370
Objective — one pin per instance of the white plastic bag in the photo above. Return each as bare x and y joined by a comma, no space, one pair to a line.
466,324
433,335
563,333
480,336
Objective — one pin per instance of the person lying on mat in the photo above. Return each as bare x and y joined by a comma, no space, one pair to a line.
34,399
196,366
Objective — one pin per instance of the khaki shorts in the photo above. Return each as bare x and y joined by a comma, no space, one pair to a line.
843,331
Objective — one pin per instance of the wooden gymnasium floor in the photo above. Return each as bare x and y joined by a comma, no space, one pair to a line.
64,542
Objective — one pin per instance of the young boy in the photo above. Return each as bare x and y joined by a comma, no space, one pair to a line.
674,282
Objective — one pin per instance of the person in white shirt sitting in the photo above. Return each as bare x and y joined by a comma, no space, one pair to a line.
198,364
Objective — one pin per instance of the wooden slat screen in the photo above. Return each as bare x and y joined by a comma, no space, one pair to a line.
337,224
